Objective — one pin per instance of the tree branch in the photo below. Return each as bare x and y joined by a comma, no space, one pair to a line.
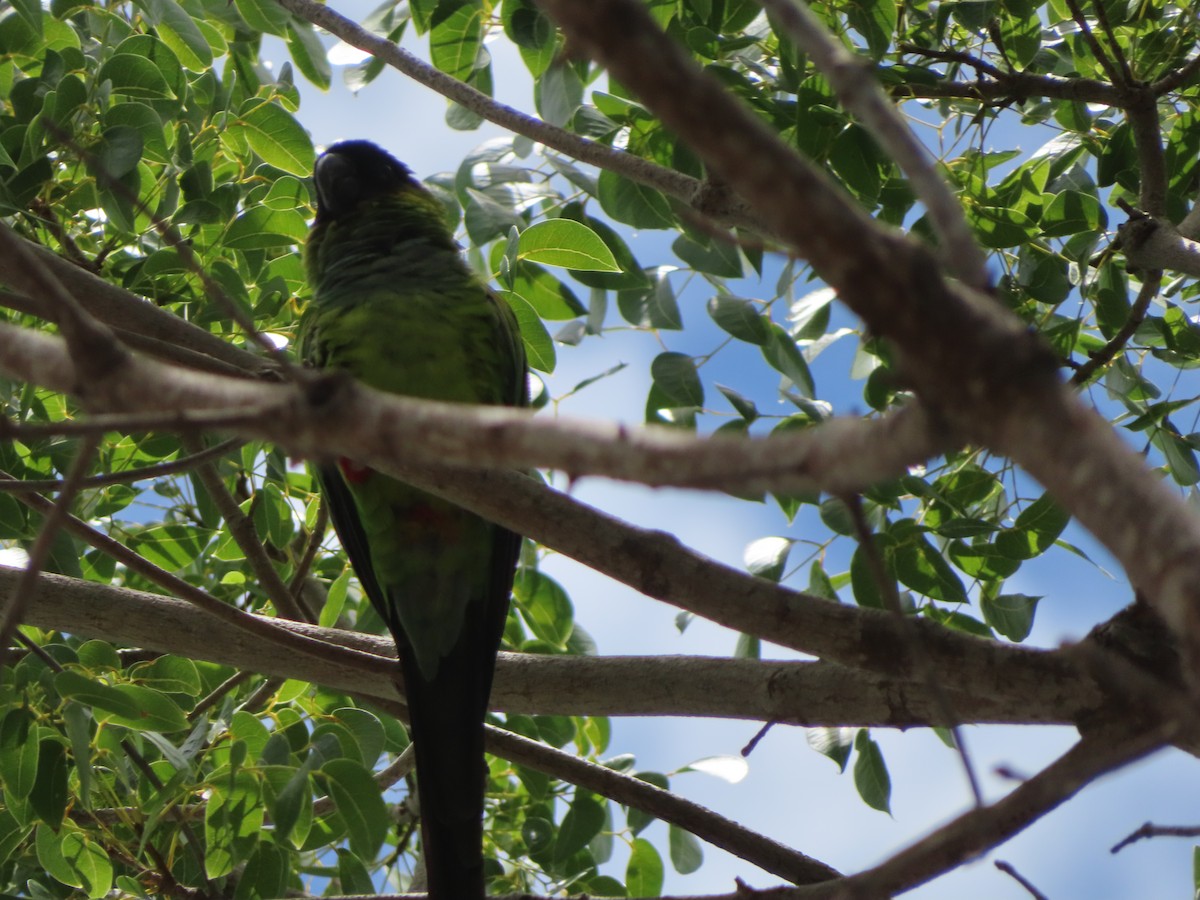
981,829
795,693
335,416
967,357
860,93
701,196
118,308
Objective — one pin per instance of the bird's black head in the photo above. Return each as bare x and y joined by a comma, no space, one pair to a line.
350,172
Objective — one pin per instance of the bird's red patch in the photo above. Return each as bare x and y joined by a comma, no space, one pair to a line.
354,473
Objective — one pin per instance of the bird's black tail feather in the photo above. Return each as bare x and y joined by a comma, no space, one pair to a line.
450,779
446,717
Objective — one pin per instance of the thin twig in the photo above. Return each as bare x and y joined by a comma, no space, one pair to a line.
1116,344
1181,76
39,553
183,420
217,693
1150,830
1008,870
1098,51
1114,44
675,184
959,57
246,536
755,848
194,845
129,476
305,563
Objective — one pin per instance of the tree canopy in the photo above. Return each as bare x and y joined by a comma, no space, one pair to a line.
924,296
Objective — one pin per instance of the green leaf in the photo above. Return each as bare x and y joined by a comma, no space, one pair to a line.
982,560
834,743
920,566
179,31
1034,531
275,135
135,76
1181,458
309,53
651,307
539,347
173,547
686,854
77,722
353,875
538,834
262,228
49,795
567,244
558,94
264,16
48,845
360,804
549,296
744,406
677,381
717,257
740,318
582,822
876,21
18,753
632,203
998,227
857,160
273,516
767,557
1010,614
456,37
266,874
644,871
132,705
233,820
1071,212
12,834
870,773
545,606
785,357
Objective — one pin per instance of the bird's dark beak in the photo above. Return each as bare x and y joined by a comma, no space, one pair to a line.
338,186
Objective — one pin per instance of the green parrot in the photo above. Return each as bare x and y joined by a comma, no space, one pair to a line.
395,305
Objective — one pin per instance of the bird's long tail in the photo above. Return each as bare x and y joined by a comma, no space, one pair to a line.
446,721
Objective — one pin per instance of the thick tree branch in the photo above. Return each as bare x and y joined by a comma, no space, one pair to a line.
794,693
967,357
1152,243
334,416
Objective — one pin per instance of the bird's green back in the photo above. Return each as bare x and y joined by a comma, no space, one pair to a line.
395,305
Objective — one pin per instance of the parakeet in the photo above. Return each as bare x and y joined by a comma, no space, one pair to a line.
395,305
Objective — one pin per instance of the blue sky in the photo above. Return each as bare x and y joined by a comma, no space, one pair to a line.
792,793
